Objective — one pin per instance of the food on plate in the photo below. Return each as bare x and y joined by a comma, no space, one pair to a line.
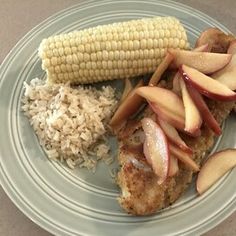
170,116
165,124
173,166
202,48
184,157
214,168
176,86
205,62
217,40
171,103
232,47
227,75
71,123
206,115
115,51
156,77
128,107
193,119
131,104
155,148
207,85
171,108
140,192
127,88
173,135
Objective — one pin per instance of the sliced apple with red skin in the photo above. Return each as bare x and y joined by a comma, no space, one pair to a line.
128,107
172,135
171,117
206,85
176,87
173,166
156,148
207,116
193,119
214,168
206,62
162,97
184,157
227,75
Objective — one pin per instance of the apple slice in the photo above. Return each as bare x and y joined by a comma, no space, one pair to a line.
193,120
232,47
163,98
171,117
128,107
183,157
207,116
214,168
161,69
173,166
218,41
156,148
176,87
227,75
206,62
206,85
172,135
127,88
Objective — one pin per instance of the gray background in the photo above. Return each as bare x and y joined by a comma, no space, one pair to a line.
17,18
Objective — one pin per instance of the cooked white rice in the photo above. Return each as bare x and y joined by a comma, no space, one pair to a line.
71,123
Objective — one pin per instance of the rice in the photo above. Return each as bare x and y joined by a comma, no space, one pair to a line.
71,123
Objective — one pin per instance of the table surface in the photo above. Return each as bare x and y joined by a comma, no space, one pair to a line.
17,18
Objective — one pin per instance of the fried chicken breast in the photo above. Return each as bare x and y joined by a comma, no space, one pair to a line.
140,193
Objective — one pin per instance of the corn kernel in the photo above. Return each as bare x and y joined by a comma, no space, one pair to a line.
53,61
94,57
82,65
49,54
99,56
75,59
143,43
94,65
97,46
111,55
114,45
165,42
88,65
104,64
105,55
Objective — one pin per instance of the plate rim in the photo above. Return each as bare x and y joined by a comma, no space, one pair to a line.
23,40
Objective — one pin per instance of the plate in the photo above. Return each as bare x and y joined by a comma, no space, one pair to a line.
66,202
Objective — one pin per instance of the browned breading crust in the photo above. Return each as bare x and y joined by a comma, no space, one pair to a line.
141,195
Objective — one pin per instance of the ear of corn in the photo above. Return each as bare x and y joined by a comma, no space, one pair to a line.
114,51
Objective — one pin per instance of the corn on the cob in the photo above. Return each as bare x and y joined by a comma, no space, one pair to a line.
114,51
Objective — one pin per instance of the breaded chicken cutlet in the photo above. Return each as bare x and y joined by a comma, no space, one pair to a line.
141,195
